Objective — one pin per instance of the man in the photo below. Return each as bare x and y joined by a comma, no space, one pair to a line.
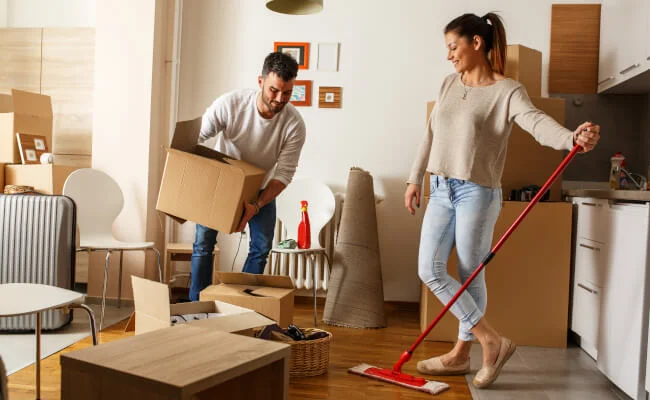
260,127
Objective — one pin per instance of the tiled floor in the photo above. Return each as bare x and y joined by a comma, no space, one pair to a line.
537,373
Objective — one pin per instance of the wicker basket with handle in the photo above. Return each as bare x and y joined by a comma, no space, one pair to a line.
310,357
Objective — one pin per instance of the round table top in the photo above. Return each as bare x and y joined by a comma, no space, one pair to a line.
28,298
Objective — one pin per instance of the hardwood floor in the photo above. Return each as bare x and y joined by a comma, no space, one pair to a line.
379,347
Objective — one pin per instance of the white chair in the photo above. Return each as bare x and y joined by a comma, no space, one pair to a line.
322,205
99,201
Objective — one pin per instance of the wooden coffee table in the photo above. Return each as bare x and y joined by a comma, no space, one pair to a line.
180,362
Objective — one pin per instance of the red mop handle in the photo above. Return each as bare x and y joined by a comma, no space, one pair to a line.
558,171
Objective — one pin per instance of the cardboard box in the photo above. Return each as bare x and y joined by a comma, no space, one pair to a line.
2,178
23,112
203,185
153,311
528,280
45,178
524,65
269,295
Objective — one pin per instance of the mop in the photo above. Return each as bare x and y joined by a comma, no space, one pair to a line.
395,375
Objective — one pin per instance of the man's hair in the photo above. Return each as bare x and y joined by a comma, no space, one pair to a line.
284,66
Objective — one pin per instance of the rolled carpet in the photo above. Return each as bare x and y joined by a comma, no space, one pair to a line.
355,295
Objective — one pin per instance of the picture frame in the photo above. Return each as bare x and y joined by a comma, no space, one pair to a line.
31,147
298,50
301,95
328,57
329,96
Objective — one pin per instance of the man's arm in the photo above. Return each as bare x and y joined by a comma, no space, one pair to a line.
272,190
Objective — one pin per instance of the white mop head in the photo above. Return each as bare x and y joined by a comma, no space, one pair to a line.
432,387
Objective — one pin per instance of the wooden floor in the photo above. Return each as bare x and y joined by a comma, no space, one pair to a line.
379,347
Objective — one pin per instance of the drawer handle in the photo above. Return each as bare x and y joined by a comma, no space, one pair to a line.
630,68
590,247
584,203
605,80
587,289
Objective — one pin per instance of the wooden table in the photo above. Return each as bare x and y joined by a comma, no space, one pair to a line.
33,298
180,362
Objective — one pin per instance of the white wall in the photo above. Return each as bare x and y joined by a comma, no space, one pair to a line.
392,60
47,13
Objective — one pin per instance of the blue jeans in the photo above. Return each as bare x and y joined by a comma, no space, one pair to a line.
261,228
465,213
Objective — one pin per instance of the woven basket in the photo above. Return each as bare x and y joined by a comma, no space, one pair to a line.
310,357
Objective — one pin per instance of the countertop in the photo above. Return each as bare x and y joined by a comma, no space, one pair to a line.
631,195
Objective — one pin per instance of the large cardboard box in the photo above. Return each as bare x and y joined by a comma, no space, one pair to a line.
45,178
269,295
203,185
524,65
153,311
23,112
2,178
528,280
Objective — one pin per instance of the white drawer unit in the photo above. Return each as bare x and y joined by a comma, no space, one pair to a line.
590,261
585,316
593,222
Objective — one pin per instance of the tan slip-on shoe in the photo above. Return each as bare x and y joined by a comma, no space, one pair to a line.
487,375
434,366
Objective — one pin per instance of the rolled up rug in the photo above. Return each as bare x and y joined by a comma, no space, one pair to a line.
355,296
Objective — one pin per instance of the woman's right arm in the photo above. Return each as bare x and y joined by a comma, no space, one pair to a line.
418,167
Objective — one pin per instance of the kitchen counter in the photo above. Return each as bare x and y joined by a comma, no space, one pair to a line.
629,195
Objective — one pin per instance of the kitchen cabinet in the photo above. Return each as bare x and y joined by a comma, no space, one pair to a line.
623,55
610,301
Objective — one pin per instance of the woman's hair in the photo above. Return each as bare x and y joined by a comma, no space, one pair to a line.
490,29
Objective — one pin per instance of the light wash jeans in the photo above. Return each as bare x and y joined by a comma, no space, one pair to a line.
261,228
465,213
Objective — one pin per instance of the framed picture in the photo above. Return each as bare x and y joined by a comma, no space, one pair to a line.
301,95
31,147
329,97
328,57
297,50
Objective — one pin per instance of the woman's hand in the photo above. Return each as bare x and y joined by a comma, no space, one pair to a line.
412,191
587,136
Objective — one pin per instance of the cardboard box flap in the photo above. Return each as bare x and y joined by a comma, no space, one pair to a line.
186,135
34,104
150,300
247,168
237,165
6,103
242,278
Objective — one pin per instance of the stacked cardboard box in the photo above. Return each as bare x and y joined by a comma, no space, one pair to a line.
30,113
528,280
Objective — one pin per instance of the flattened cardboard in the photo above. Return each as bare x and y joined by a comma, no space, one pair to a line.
23,112
271,296
203,185
524,65
153,311
45,178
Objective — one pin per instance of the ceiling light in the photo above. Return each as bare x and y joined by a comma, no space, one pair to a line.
295,7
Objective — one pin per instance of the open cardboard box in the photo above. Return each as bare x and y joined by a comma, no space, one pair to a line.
153,311
269,295
23,112
204,186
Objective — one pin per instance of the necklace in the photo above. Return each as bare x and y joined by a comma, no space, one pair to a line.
467,89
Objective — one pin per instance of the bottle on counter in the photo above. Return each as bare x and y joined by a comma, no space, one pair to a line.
615,172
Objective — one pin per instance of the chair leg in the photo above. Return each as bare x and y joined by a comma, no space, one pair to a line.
101,318
119,282
160,274
91,317
313,278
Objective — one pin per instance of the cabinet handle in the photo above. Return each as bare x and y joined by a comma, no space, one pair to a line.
590,247
584,203
630,68
605,80
587,289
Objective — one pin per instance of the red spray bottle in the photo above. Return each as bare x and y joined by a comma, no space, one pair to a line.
304,233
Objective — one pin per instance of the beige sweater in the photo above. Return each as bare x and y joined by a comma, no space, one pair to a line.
467,139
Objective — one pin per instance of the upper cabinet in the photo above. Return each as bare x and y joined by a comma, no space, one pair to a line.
624,57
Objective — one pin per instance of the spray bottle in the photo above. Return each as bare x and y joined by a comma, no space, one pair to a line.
615,172
304,232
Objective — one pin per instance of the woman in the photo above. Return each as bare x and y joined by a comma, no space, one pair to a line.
465,148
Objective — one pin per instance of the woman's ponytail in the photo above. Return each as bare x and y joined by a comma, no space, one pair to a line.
499,44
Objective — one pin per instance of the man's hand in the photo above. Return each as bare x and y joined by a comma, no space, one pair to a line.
250,210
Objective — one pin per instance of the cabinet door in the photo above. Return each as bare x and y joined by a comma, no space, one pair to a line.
622,24
621,334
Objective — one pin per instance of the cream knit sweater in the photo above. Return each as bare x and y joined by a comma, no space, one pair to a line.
467,138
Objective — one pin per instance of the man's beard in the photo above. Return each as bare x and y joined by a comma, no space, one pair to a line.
273,105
